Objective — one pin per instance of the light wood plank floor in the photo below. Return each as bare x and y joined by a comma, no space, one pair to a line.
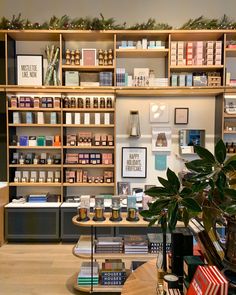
38,269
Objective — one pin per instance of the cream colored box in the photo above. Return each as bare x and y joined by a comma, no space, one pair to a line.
107,118
97,119
68,118
86,118
77,118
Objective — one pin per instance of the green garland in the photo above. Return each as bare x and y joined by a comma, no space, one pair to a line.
101,23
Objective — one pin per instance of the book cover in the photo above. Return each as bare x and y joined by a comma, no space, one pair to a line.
201,283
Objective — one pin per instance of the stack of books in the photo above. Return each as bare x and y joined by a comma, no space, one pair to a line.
113,272
135,244
208,280
37,198
83,246
109,245
155,242
86,277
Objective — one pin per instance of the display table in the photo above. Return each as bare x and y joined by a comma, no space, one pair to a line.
142,281
3,201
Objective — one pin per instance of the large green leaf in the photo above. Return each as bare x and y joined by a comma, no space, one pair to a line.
159,205
173,179
191,204
220,151
172,215
146,213
199,186
157,191
166,184
230,159
186,216
231,210
230,193
204,154
230,166
186,192
199,166
152,222
221,181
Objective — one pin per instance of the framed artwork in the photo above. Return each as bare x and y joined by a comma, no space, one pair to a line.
159,113
29,69
123,188
89,56
181,115
134,162
161,139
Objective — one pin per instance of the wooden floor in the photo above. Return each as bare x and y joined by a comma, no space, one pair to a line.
38,269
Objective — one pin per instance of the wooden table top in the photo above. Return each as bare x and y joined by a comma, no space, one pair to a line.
142,281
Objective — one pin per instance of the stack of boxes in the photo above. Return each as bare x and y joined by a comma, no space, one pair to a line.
189,53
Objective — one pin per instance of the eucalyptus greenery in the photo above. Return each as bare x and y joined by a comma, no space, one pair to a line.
207,191
101,23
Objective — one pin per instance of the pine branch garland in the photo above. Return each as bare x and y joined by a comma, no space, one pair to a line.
101,23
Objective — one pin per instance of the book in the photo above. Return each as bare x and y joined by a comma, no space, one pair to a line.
201,283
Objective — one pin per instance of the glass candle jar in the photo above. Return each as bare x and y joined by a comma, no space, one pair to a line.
83,214
115,210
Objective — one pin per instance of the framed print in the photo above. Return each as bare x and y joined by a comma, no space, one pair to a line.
134,162
181,115
159,113
29,69
89,56
161,139
123,188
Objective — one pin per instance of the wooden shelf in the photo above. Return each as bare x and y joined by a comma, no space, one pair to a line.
99,288
89,147
89,125
87,68
34,166
230,52
168,91
35,147
34,125
56,89
84,184
197,67
229,132
89,110
141,53
87,166
35,109
35,184
108,223
115,255
229,115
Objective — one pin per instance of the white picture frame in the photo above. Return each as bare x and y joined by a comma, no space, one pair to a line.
29,69
159,113
161,139
134,162
89,56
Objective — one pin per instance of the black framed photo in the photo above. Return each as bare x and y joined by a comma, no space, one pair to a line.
123,188
134,162
181,115
29,69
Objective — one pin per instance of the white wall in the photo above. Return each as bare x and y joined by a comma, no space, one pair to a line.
173,12
201,116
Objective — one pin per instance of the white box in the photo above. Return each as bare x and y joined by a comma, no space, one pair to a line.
40,118
42,176
107,118
33,176
68,118
50,176
86,118
71,78
97,118
144,43
16,118
77,118
25,175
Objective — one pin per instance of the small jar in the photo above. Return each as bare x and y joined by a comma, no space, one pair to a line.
83,213
132,214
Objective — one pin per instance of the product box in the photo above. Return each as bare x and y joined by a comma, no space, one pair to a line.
17,177
70,176
110,140
199,80
32,141
174,80
189,80
71,78
41,141
40,118
33,176
71,140
97,140
79,175
72,159
181,80
36,102
77,118
53,118
97,118
49,140
24,140
68,118
13,101
25,176
57,102
107,118
50,176
16,118
57,176
29,118
86,118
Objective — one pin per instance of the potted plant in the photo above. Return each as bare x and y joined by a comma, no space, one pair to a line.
207,192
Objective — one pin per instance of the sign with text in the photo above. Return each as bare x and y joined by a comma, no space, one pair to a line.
134,162
30,70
